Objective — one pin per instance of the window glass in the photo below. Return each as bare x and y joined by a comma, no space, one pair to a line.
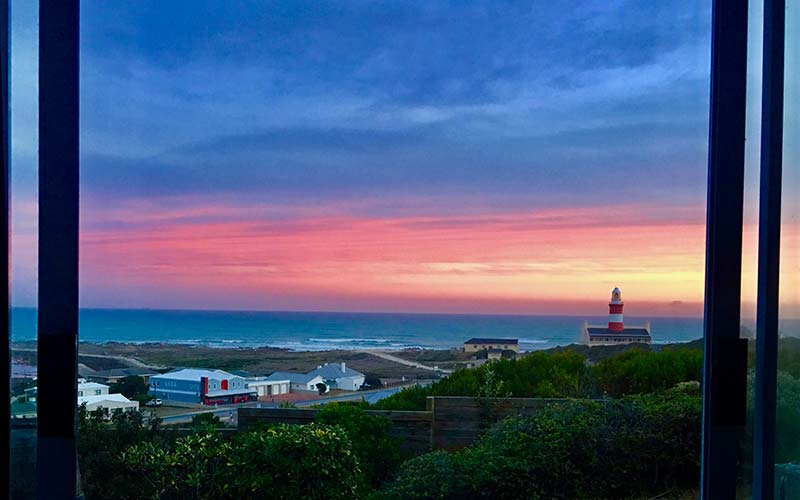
300,189
787,440
750,233
24,224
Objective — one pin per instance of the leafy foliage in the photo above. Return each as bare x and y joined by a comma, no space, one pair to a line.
132,387
100,446
614,449
206,422
285,461
562,374
409,399
377,452
638,372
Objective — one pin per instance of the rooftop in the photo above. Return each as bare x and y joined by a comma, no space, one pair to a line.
116,398
596,331
293,377
491,341
194,374
91,385
334,370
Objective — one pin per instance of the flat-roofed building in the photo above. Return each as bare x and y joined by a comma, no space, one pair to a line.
265,387
490,344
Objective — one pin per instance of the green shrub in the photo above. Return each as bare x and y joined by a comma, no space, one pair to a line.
435,475
100,446
311,461
131,387
535,375
206,422
196,466
377,452
581,450
639,372
409,399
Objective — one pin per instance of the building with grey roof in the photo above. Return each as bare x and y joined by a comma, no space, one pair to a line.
196,385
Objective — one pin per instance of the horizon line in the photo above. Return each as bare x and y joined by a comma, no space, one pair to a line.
322,311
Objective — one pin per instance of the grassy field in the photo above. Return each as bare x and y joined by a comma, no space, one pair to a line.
265,360
257,361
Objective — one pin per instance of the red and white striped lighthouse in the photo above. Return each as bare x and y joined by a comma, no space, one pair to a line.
615,323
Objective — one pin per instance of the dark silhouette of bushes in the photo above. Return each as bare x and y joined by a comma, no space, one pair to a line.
576,450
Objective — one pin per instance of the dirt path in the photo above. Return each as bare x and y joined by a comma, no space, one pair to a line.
389,357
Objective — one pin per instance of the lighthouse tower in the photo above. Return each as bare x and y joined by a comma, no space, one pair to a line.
615,323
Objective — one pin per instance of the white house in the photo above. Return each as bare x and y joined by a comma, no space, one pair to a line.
91,389
265,387
298,382
110,402
339,376
333,375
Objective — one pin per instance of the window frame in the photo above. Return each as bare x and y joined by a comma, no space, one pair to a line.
725,352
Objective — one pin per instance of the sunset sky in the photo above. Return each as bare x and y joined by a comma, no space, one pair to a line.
382,156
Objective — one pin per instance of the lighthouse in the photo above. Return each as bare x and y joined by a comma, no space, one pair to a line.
615,323
615,332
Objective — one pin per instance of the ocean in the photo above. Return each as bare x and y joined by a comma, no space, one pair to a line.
316,331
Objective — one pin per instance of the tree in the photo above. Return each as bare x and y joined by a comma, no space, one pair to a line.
206,422
372,382
322,388
130,387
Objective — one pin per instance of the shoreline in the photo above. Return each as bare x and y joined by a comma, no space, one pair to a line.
388,364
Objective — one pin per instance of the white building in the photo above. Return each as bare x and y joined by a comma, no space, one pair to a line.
298,382
110,402
91,389
333,375
265,387
339,376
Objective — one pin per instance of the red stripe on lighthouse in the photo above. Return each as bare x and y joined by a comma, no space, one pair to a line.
615,321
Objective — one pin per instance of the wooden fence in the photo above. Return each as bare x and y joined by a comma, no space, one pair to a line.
447,423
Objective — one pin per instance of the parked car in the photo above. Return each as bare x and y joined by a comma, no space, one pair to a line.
154,402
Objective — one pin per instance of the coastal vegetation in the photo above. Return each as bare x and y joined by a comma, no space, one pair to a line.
564,374
625,426
578,450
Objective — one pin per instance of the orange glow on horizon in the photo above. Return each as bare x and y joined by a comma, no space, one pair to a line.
557,261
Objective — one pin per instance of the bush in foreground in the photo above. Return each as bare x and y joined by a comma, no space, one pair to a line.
377,452
581,450
285,461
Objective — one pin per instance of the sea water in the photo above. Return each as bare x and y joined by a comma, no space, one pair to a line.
314,331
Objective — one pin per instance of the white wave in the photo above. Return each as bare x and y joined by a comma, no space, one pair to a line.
350,340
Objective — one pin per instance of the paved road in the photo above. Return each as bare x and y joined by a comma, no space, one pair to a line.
227,413
368,396
389,357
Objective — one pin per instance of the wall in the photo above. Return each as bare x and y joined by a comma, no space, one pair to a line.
448,423
167,389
